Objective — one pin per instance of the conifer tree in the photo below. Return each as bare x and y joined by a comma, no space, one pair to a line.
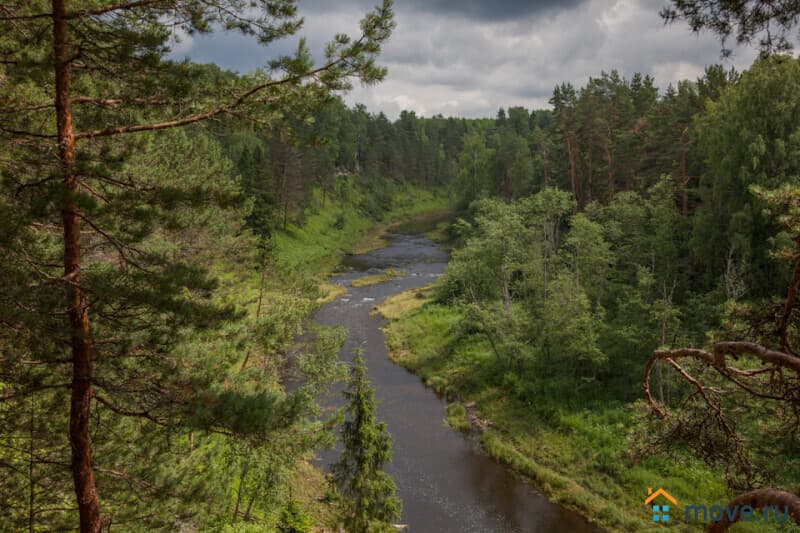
365,491
769,23
79,79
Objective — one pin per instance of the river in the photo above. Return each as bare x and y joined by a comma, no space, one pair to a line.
447,483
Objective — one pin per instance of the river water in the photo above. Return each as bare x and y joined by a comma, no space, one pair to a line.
447,483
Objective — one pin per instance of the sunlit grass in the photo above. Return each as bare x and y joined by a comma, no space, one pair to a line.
330,292
339,225
402,303
457,418
387,275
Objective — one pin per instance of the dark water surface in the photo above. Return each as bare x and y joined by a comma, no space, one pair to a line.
446,482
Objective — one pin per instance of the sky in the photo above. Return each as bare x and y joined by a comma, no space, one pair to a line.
470,57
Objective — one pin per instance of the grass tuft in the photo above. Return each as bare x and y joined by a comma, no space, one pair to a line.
457,418
376,279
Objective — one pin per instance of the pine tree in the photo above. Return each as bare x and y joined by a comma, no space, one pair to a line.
365,491
83,82
769,23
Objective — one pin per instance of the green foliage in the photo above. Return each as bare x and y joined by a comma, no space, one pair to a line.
134,258
473,166
625,219
577,453
366,494
306,250
749,138
155,294
553,301
768,23
293,519
591,256
457,417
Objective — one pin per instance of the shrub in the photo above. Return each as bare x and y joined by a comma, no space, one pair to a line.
294,519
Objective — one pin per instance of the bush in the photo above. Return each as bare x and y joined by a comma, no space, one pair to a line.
294,519
338,223
457,417
438,384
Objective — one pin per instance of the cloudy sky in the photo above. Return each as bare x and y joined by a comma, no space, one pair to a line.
470,57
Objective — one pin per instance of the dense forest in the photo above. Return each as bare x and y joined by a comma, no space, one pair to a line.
596,241
623,276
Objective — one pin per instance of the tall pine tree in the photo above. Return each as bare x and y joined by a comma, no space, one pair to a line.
80,80
365,491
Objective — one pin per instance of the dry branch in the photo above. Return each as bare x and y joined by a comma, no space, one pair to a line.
759,499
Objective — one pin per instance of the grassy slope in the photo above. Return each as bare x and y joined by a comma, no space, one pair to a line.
579,459
316,247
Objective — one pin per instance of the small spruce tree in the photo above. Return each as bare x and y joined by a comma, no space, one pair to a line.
365,492
294,519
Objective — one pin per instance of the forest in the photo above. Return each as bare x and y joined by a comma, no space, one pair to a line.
618,311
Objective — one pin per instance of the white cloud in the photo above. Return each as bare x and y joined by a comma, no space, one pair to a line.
445,61
181,43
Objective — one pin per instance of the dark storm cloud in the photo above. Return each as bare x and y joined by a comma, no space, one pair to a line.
489,10
482,10
469,58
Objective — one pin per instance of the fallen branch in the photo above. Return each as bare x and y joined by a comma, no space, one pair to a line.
758,499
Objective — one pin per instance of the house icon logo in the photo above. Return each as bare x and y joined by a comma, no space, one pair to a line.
660,512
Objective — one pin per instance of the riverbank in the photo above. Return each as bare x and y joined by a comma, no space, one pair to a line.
447,483
579,459
293,284
333,228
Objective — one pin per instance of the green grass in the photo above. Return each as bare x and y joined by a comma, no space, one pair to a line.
330,292
337,226
457,417
579,458
387,275
295,285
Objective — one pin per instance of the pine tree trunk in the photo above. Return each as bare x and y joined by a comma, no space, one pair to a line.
82,361
659,369
545,167
239,493
508,187
589,176
571,153
31,473
611,179
258,310
506,295
684,185
247,511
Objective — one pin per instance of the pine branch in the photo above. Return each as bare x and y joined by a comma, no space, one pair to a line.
122,6
9,9
22,133
199,117
126,412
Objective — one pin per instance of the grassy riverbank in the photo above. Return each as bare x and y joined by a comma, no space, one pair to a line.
278,300
578,458
336,226
302,259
